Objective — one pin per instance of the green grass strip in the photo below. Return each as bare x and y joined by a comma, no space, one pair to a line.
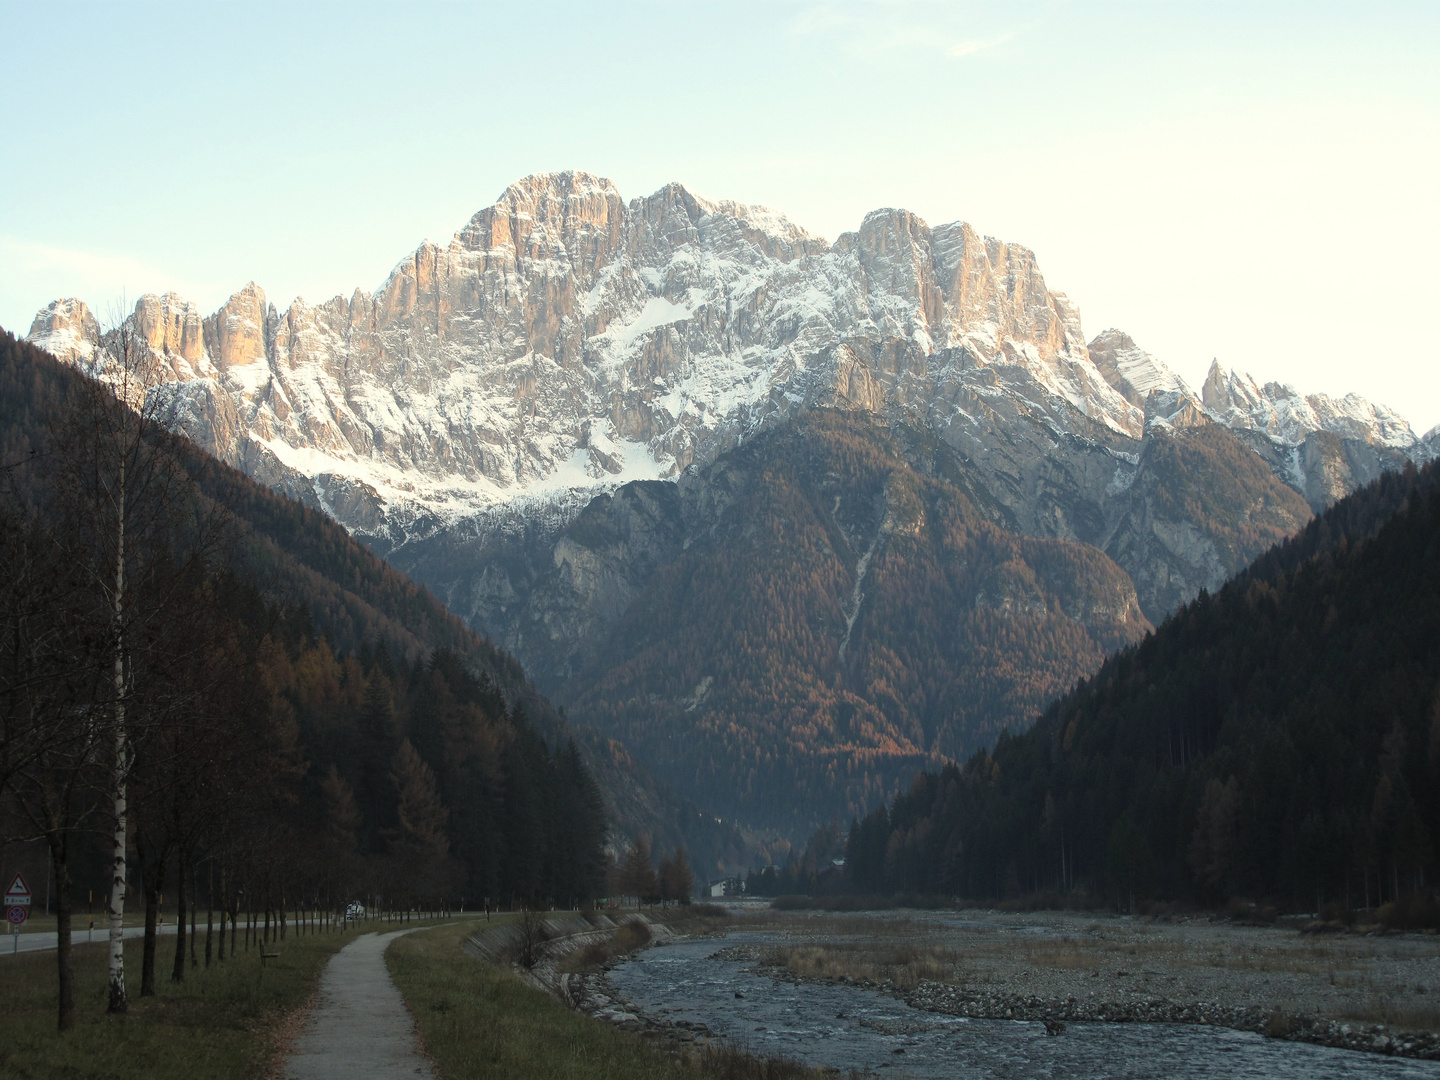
223,1022
479,1019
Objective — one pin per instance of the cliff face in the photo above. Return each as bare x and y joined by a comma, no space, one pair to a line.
564,338
566,341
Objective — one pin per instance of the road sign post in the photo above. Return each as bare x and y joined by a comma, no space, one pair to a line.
18,894
17,907
16,917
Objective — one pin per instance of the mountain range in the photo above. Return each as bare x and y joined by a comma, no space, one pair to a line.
841,422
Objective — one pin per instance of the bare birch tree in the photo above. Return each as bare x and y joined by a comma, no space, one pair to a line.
124,496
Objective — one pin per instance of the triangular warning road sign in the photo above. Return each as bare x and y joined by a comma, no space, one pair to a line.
18,893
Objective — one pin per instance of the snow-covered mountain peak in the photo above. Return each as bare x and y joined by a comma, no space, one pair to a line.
1135,373
542,213
787,238
553,198
1281,412
66,330
566,340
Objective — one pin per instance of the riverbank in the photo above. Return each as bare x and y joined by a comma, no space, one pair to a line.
1373,993
480,1014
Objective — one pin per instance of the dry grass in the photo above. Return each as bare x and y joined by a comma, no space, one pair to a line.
871,929
1331,962
1390,980
904,965
633,935
1067,954
726,1061
708,919
479,1019
1398,1014
596,954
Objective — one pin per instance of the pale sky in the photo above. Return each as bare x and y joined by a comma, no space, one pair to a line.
1255,182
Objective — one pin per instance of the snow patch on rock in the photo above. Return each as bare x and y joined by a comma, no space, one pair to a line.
566,341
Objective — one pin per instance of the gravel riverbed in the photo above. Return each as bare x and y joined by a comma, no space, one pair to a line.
1377,993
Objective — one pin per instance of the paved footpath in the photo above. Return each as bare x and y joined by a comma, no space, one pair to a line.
360,1028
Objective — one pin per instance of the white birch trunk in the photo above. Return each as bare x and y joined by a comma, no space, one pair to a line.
122,769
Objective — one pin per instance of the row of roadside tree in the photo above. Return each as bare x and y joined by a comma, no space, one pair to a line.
180,719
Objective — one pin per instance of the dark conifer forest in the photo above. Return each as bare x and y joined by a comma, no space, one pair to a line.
1277,741
216,690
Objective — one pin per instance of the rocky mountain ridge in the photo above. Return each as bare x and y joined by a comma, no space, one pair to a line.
566,341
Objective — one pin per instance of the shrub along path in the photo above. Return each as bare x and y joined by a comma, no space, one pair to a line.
361,1026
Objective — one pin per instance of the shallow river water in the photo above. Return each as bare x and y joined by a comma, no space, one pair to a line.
852,1028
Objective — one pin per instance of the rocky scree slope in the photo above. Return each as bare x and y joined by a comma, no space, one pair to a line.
791,631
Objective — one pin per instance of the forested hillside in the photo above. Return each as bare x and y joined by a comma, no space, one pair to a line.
828,611
1279,739
375,688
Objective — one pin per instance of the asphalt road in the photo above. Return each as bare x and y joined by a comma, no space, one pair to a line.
49,939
